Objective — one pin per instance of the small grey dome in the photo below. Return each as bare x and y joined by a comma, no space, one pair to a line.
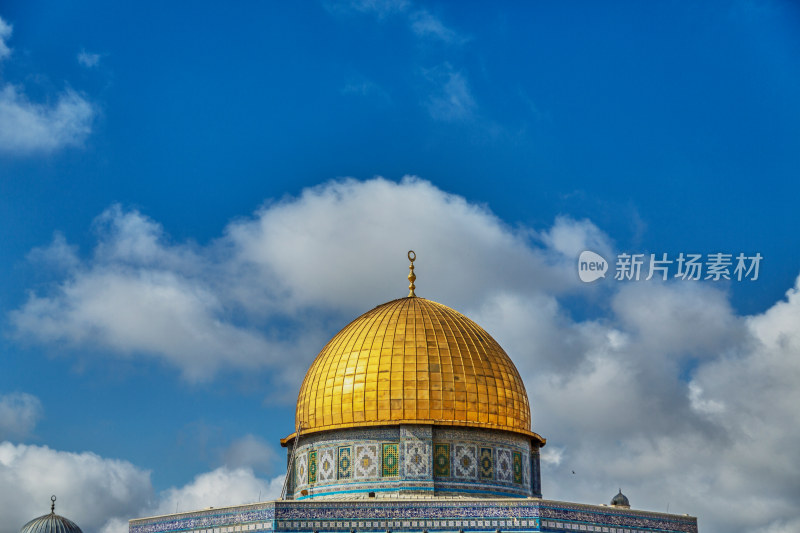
620,500
51,523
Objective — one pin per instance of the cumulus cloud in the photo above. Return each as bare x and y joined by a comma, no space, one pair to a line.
661,389
251,452
90,489
59,254
670,395
202,308
101,494
361,231
570,237
219,488
5,34
19,413
28,127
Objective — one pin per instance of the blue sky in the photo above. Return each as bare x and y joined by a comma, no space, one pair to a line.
193,200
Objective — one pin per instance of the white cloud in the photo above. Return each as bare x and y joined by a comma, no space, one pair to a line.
219,488
27,127
149,311
90,489
102,494
425,24
19,413
667,392
612,396
201,308
451,98
59,254
5,34
251,452
88,60
571,237
362,230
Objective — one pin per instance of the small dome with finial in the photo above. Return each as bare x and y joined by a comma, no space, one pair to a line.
620,500
51,523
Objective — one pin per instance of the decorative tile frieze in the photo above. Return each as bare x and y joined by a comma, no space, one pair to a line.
312,466
327,464
391,460
465,461
417,459
503,467
516,466
345,463
301,470
367,461
486,464
441,459
414,516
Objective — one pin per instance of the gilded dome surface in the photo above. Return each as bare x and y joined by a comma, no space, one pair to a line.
413,361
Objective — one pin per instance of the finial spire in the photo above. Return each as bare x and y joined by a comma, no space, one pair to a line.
53,504
411,277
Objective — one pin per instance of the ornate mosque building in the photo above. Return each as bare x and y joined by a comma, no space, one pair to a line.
413,419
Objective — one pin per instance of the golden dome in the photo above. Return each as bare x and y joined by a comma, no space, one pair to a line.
413,361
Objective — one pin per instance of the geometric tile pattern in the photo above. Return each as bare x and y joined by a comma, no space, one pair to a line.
441,459
517,466
391,460
327,464
312,466
410,516
503,468
486,466
301,470
466,461
367,461
345,464
417,460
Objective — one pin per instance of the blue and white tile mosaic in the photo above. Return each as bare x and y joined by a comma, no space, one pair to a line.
367,461
327,464
417,460
503,467
472,461
301,470
414,516
465,461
